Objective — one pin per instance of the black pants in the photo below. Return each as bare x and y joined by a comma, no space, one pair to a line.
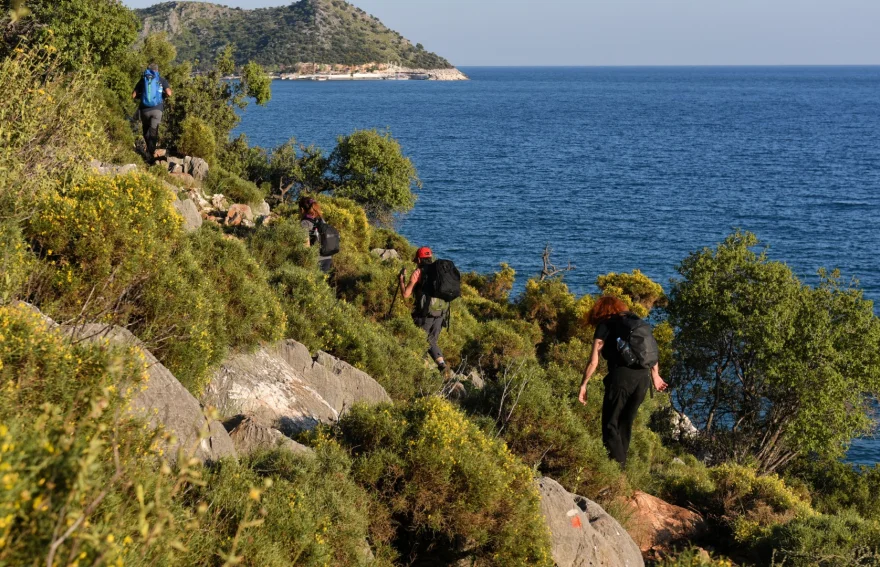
150,120
432,326
625,390
326,265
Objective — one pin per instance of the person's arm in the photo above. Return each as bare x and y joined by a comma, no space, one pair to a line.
167,88
591,369
659,384
307,226
407,291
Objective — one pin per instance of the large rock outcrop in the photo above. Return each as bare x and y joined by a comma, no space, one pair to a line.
657,526
164,402
582,533
250,436
284,386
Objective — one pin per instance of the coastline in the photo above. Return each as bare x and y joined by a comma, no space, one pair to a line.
394,74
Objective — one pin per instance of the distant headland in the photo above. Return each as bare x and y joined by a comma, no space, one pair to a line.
307,40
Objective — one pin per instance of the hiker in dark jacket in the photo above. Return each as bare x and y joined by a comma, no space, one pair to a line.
625,387
152,105
428,313
310,216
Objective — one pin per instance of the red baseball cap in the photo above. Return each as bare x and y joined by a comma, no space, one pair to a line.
422,253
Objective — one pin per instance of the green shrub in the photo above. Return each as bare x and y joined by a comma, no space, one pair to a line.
100,241
495,287
502,345
233,187
552,306
547,432
282,509
694,558
838,486
50,127
71,458
197,139
635,289
824,541
453,491
280,243
16,262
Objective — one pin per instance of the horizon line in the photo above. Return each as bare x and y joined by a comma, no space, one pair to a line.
659,65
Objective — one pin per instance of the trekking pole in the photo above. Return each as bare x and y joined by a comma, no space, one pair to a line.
396,291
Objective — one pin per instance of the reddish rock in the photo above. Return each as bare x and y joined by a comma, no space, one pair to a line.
238,214
657,525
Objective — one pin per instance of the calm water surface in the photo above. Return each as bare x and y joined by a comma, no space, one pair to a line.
622,168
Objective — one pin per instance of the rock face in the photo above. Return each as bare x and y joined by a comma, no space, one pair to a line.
385,253
263,209
164,402
110,169
283,386
192,220
582,533
239,214
657,525
249,436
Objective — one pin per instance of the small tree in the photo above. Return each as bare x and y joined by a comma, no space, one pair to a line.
767,367
370,168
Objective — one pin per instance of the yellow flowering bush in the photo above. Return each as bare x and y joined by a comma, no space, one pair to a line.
101,240
51,124
446,484
16,262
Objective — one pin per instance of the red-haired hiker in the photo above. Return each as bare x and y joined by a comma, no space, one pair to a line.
625,387
428,312
310,216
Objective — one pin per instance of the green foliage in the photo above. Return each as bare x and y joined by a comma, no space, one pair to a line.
100,241
50,126
210,98
495,287
788,364
635,289
370,169
253,313
233,187
453,491
838,486
825,541
16,262
85,32
71,458
544,429
285,509
257,84
694,558
197,139
552,306
343,35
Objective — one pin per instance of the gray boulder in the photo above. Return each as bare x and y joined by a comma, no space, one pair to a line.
165,403
111,169
385,253
284,386
262,209
197,167
250,436
192,220
582,533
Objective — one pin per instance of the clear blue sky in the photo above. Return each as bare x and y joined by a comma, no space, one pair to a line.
631,32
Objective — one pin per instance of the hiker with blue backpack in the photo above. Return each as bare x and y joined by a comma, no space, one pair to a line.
435,285
152,90
627,343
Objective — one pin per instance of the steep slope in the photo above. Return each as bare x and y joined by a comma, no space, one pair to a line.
308,31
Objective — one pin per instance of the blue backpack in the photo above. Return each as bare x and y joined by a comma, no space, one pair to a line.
152,89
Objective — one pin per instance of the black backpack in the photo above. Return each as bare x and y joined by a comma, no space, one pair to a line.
441,280
328,237
637,346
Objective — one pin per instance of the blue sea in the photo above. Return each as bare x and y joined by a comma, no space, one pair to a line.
622,168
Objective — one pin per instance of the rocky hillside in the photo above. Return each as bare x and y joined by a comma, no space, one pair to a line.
308,31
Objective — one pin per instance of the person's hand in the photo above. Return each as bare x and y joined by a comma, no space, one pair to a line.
402,277
582,396
659,384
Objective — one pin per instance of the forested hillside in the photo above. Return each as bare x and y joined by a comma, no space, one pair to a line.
307,31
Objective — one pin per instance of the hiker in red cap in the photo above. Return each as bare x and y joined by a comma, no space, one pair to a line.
428,313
